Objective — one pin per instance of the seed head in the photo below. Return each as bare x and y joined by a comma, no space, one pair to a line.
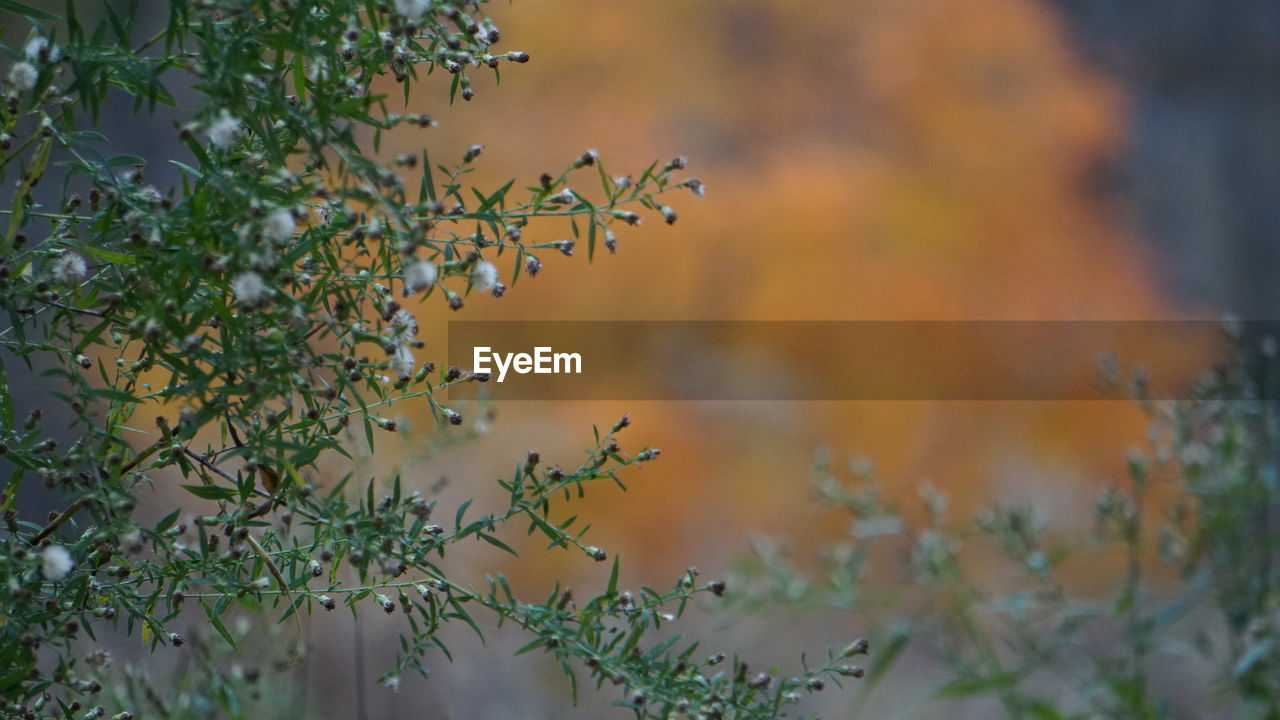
56,562
403,363
23,76
249,288
484,276
70,269
419,275
404,325
412,9
280,225
35,47
224,132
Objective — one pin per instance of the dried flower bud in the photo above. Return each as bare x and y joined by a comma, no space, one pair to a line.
857,647
627,216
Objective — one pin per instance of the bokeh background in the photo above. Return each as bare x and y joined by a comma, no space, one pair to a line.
865,160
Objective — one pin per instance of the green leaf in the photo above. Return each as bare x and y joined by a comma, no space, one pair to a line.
613,578
211,492
217,624
976,685
167,521
532,645
110,255
26,10
462,510
497,543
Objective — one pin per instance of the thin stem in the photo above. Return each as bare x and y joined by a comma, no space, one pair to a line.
82,311
61,518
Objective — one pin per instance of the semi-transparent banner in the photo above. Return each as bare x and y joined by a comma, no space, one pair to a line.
998,360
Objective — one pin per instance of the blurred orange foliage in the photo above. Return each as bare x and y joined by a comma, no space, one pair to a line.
864,160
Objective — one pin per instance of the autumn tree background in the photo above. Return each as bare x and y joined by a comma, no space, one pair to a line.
865,160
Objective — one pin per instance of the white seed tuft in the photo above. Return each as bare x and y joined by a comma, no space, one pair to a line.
403,362
224,132
484,276
57,562
280,225
23,76
37,47
70,269
418,276
404,324
249,288
412,8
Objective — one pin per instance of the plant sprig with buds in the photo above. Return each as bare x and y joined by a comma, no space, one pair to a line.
256,313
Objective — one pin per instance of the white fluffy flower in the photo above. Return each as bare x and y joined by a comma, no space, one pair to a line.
36,46
419,275
224,132
404,324
23,75
57,562
280,225
249,288
402,362
412,8
484,276
70,269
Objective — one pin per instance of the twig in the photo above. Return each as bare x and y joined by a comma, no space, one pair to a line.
62,517
82,311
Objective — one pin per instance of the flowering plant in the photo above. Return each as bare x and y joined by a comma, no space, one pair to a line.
257,313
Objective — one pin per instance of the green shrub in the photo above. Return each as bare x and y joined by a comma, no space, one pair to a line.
256,311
